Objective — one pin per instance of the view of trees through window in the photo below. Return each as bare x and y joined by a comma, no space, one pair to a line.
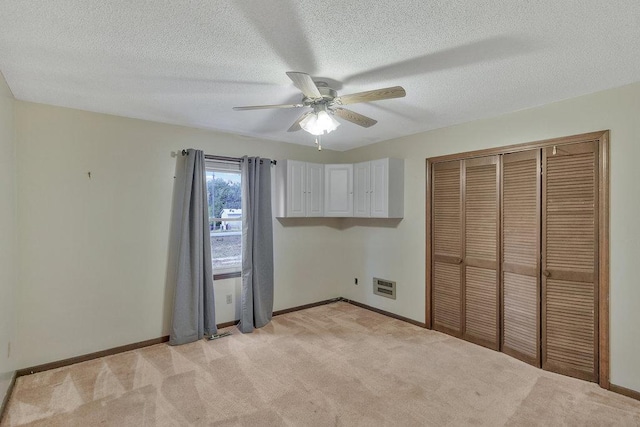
224,193
227,196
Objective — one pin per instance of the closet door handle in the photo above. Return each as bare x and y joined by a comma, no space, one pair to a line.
546,273
459,261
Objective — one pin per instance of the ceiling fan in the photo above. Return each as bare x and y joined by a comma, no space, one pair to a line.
325,103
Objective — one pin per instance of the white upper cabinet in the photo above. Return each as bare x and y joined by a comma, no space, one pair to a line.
296,188
362,189
379,189
338,190
315,189
369,189
299,189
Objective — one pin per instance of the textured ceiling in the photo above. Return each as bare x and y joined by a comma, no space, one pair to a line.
189,62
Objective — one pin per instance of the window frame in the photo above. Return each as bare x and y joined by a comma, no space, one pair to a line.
216,166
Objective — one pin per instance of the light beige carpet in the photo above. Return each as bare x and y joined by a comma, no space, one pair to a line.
334,365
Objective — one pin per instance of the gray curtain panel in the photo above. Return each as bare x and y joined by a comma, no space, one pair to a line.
256,301
193,305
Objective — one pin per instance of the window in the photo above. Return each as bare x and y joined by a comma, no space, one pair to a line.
224,197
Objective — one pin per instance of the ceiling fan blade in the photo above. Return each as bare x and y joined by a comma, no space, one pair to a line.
296,126
354,117
372,95
263,107
304,82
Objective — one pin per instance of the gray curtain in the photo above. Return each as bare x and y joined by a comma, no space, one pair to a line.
256,301
193,305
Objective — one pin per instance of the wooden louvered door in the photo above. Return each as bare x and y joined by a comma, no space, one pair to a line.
447,248
521,255
570,260
481,235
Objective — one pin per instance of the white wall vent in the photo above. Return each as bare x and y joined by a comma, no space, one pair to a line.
384,288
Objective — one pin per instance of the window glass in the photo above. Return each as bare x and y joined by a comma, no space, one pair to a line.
224,194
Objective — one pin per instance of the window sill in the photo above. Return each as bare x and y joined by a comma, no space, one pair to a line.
223,276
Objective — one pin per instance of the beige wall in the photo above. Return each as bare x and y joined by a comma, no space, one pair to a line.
8,222
93,253
399,253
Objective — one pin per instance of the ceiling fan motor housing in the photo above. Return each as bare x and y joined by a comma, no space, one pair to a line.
328,94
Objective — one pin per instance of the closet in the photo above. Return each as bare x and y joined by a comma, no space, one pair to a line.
513,260
480,251
465,242
521,198
569,260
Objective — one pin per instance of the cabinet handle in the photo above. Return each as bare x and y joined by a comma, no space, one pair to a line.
546,273
459,260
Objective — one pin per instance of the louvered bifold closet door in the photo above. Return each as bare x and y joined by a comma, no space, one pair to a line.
521,255
569,260
481,235
447,248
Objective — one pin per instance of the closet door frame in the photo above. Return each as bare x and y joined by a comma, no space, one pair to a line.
601,138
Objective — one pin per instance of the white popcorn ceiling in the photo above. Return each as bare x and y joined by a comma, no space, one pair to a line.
190,62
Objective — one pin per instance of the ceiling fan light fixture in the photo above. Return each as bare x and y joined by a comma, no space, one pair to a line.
327,122
319,123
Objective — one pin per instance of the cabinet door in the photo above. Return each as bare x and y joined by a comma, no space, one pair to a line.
338,190
296,188
521,255
362,189
380,188
570,260
481,236
315,186
446,272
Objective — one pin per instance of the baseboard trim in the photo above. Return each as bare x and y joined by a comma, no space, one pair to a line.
386,313
625,391
7,396
147,343
304,307
227,324
286,310
90,356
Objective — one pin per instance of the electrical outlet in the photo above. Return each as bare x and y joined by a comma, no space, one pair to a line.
355,281
229,299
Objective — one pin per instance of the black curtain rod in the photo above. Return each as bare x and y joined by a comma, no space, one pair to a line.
223,158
